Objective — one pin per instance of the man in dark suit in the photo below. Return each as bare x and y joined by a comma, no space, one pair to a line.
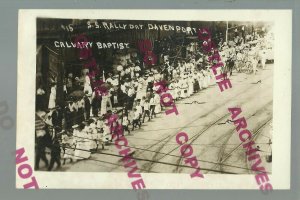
87,107
55,149
96,105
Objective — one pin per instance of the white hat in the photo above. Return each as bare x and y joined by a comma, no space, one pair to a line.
75,126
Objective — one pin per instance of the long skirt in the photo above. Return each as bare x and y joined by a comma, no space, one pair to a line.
204,82
68,152
184,93
106,137
104,105
157,108
82,150
190,89
141,93
174,93
200,82
51,102
92,144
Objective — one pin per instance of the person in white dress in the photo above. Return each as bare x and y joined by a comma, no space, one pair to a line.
188,67
142,102
81,144
132,70
239,60
193,65
141,88
190,85
106,136
99,127
208,75
76,139
93,136
253,57
182,69
204,81
87,85
200,79
105,103
152,106
52,97
183,87
136,119
263,58
174,73
137,69
156,99
125,124
173,90
177,88
85,143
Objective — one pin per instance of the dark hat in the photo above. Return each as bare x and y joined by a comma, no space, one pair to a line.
90,121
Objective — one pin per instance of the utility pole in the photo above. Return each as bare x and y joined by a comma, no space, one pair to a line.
226,31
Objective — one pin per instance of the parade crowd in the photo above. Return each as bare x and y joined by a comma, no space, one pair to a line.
80,127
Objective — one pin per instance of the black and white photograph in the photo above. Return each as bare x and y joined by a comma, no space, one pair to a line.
165,96
129,57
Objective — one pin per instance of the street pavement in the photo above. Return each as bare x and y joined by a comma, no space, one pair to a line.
206,119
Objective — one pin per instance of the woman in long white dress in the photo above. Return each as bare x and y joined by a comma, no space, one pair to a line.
212,82
76,140
182,69
52,97
173,90
141,89
81,147
184,87
99,137
104,104
208,77
204,81
106,136
87,88
174,73
178,89
200,80
190,85
157,108
93,136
